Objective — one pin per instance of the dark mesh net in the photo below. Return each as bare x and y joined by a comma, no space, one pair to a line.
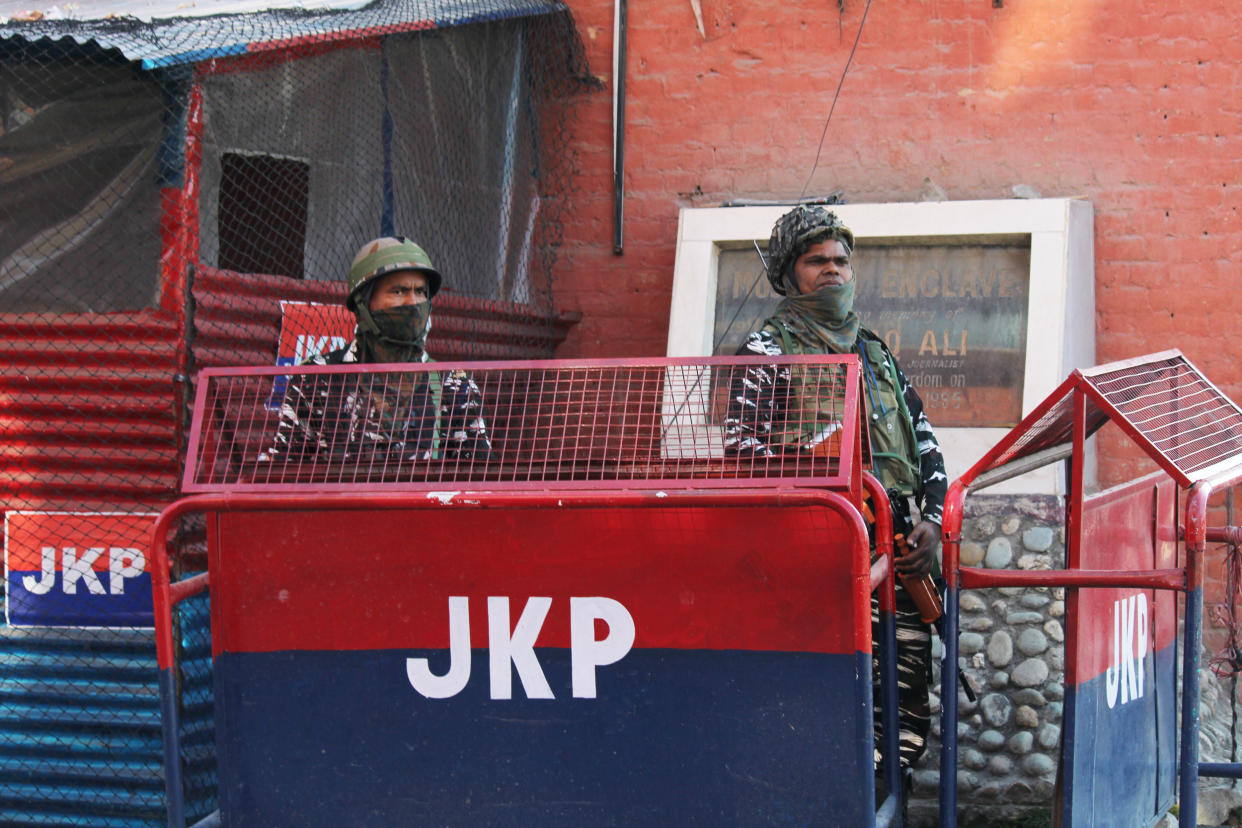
189,192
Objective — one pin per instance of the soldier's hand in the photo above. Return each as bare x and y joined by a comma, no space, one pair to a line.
924,540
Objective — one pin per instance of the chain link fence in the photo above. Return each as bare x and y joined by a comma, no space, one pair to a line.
186,192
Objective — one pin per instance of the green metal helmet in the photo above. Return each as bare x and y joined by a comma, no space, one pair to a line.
388,254
794,233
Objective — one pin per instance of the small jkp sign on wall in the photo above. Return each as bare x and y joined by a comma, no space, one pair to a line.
307,329
78,569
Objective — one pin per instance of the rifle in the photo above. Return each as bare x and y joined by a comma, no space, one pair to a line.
922,589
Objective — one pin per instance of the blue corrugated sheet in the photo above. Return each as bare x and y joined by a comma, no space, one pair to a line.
80,725
182,40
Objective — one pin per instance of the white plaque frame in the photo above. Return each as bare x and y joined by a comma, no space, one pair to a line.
1060,332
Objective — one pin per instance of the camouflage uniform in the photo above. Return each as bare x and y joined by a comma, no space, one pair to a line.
907,455
335,418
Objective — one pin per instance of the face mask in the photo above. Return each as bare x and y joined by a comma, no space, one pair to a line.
400,333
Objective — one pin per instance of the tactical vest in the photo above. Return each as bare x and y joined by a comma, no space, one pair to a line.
894,448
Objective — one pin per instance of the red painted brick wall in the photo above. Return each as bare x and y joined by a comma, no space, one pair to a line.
1125,102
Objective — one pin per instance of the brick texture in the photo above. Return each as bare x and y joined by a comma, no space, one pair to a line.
1128,103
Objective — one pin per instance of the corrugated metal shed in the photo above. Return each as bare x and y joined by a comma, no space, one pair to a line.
80,733
190,33
87,419
226,332
91,406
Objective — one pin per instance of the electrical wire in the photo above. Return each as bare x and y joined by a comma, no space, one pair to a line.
819,151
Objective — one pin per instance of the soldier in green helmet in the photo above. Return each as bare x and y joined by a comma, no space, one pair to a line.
809,264
391,283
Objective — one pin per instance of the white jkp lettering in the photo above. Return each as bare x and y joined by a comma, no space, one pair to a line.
123,562
518,648
1129,649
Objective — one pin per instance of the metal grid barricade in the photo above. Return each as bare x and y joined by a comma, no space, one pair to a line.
518,424
643,496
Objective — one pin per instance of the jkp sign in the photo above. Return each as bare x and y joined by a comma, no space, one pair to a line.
307,329
1123,681
513,647
78,569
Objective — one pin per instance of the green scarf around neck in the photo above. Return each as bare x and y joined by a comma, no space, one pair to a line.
823,321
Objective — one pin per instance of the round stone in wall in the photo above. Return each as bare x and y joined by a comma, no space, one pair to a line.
991,740
1037,764
1054,630
1000,649
971,553
978,624
1030,697
969,642
1037,539
1026,717
983,527
1049,736
970,601
1021,742
1011,525
995,708
1035,600
1032,641
999,554
1030,673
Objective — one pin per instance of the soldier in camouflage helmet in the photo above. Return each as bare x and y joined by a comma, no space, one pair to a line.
796,231
809,263
416,416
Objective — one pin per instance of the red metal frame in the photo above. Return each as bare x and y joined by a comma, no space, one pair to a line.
841,491
845,475
1088,403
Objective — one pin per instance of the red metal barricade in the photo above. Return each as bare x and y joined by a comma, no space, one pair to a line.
1123,572
689,624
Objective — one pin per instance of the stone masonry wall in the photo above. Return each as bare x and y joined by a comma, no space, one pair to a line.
1011,652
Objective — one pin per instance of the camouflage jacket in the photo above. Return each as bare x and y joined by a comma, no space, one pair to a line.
755,401
340,417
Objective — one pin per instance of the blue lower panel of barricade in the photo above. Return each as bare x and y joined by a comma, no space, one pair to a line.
672,737
1125,756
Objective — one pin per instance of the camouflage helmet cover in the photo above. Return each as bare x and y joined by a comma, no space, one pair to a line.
388,254
796,231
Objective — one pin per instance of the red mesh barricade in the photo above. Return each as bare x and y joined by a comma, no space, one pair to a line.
711,422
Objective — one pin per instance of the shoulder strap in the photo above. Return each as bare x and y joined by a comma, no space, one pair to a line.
437,394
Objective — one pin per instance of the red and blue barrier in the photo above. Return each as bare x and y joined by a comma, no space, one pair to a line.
515,658
1120,727
1129,551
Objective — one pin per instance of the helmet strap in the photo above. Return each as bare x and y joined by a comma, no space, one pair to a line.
366,324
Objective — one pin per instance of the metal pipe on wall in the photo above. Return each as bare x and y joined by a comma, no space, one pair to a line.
618,124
